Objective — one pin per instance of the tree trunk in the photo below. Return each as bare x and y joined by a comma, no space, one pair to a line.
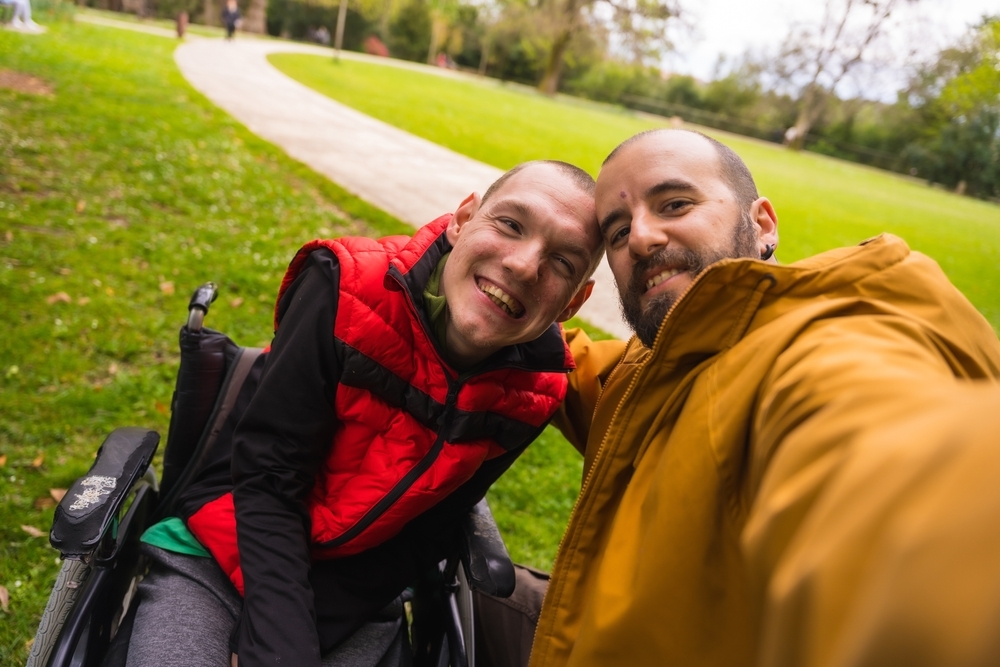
210,13
484,56
256,19
812,108
338,40
553,66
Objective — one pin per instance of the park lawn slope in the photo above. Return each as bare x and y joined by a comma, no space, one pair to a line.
821,202
121,190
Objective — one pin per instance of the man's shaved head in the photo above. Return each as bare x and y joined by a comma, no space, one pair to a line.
732,168
578,176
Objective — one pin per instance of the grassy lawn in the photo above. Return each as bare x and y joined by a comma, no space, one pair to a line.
822,202
121,190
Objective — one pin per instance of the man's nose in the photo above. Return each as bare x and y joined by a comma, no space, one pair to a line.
525,264
647,235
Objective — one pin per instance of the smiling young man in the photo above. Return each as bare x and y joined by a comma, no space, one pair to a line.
788,466
405,375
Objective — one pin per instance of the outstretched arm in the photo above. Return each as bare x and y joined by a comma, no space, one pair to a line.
874,529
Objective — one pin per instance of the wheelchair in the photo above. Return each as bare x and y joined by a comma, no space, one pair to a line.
98,523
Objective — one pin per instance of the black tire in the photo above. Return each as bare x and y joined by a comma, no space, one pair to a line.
71,577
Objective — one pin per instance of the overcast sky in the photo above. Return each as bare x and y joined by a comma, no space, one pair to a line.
730,27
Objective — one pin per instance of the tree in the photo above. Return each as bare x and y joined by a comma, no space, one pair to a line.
818,56
959,97
640,24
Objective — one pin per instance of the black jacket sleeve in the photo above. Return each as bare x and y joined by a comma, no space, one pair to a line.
277,448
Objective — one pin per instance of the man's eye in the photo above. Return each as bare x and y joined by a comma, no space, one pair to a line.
513,224
676,206
565,266
618,236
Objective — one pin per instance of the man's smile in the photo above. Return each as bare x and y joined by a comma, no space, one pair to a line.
505,301
666,274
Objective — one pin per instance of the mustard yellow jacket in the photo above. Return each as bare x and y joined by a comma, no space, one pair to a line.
803,470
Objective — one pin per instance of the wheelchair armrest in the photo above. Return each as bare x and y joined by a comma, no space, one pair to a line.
93,501
487,564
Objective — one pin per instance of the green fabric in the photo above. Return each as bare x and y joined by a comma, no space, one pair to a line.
436,304
172,535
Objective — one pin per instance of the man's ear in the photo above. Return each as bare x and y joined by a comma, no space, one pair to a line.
577,301
766,220
463,213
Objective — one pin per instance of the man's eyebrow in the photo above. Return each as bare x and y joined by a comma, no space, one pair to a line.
610,219
518,207
672,185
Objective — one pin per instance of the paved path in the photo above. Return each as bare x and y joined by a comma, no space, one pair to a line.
411,178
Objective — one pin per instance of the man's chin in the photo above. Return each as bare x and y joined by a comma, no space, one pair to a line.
645,322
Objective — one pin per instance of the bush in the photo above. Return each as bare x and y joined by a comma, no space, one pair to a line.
295,19
410,32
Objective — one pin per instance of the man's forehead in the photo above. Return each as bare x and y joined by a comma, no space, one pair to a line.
675,151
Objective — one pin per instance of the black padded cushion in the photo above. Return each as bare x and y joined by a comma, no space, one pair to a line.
487,564
93,501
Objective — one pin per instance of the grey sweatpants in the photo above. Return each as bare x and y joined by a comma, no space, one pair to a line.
187,602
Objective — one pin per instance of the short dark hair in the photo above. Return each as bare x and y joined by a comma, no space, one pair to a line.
734,171
580,178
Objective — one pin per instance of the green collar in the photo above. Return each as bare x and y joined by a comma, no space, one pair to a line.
436,304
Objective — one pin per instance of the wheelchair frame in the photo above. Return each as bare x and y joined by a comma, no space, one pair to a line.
98,523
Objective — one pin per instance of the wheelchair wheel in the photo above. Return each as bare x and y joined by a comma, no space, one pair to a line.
61,601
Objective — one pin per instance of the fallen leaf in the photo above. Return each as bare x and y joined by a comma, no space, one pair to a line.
237,302
83,301
43,503
57,494
109,291
9,236
161,408
113,368
3,460
31,530
39,460
167,287
65,271
98,387
4,598
80,205
28,644
58,297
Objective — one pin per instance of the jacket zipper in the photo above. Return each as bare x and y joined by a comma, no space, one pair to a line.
560,564
405,483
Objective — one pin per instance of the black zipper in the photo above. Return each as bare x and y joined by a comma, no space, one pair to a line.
409,478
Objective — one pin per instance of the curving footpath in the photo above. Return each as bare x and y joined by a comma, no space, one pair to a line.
409,177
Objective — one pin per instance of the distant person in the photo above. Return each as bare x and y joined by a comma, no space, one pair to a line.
21,19
788,465
230,17
323,35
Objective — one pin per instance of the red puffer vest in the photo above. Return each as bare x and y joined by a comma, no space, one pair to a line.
412,429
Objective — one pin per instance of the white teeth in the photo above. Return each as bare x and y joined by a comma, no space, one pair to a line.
502,299
659,278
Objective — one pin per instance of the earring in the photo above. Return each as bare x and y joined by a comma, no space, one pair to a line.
768,252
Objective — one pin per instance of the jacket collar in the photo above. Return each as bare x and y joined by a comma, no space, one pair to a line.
734,296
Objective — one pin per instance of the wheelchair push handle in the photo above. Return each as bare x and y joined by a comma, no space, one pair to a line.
199,304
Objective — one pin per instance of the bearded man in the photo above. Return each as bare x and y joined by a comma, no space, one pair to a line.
788,465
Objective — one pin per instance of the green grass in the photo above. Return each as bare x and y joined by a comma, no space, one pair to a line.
821,202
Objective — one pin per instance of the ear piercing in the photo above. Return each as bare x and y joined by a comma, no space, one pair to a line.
768,252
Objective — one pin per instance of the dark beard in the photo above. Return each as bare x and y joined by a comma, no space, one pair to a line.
646,323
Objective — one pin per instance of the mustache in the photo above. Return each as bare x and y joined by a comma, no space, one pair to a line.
682,259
